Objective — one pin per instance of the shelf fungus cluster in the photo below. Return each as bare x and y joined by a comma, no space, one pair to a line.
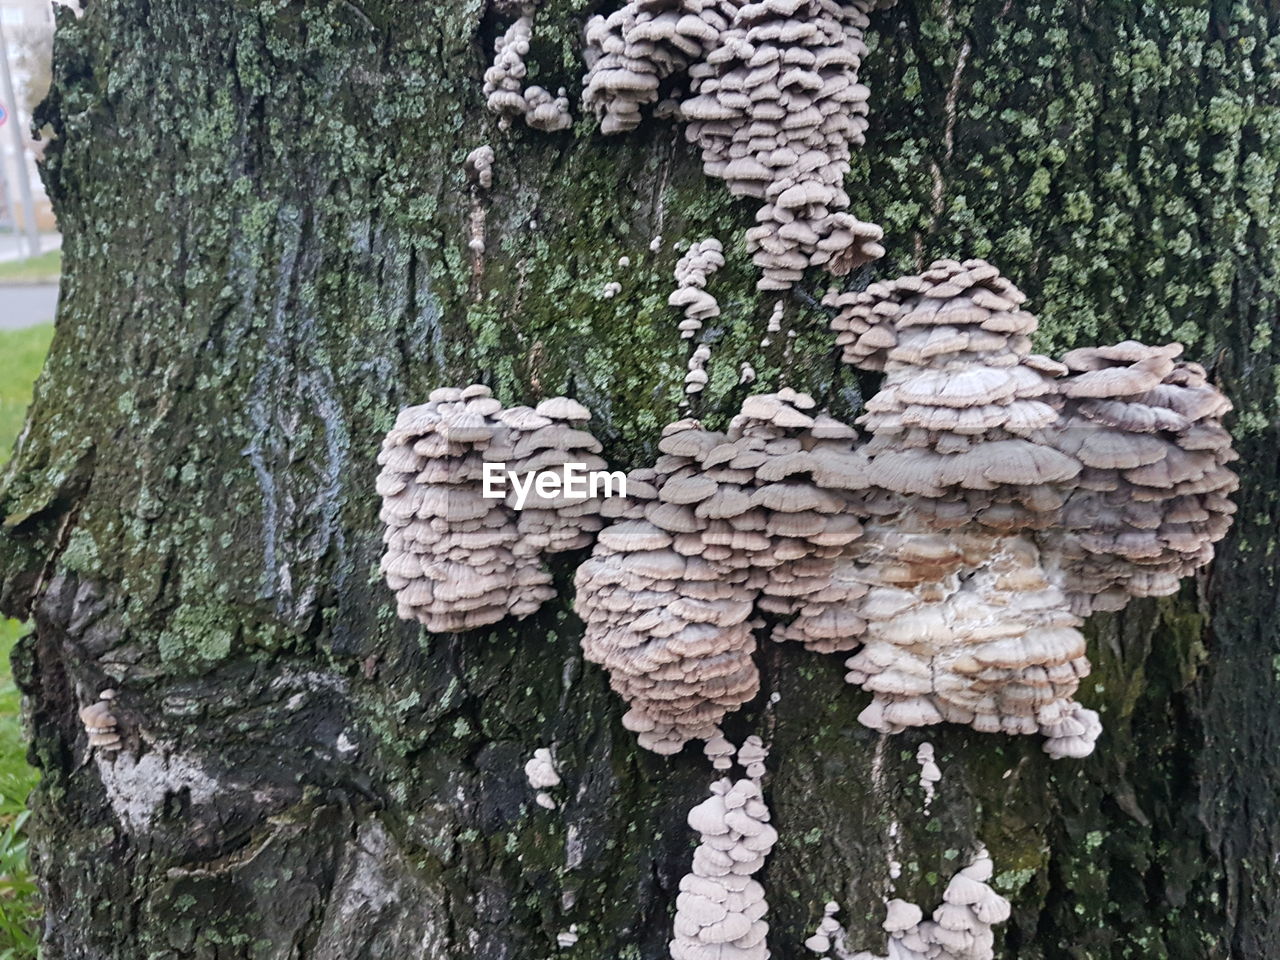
960,929
1000,497
723,525
692,271
456,558
504,89
963,625
720,909
773,102
100,724
1001,509
1152,497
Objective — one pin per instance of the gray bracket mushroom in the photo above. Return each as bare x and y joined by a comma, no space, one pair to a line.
999,497
504,89
773,103
720,909
455,558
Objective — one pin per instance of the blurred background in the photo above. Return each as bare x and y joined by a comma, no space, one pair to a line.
30,265
29,240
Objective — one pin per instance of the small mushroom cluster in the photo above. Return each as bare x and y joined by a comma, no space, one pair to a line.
540,771
692,271
567,938
930,772
100,723
479,170
774,104
455,558
632,51
504,88
762,514
720,909
776,108
774,324
961,928
695,379
829,930
479,166
1152,497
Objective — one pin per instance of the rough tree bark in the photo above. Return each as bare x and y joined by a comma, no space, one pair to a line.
266,218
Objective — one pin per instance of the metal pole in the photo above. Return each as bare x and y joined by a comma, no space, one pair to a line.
8,208
20,147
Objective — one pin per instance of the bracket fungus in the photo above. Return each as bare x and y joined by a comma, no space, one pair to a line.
773,103
720,909
1000,497
724,524
455,558
1003,509
963,625
504,89
1153,493
100,723
692,271
960,929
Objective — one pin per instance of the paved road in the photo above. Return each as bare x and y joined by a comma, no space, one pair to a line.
25,306
15,248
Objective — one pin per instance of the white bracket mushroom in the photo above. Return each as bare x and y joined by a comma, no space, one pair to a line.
540,771
456,558
100,723
774,105
504,88
720,910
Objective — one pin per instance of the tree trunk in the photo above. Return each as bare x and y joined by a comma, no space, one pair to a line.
266,221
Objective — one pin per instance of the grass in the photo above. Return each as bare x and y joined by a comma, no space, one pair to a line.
19,901
42,269
22,354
